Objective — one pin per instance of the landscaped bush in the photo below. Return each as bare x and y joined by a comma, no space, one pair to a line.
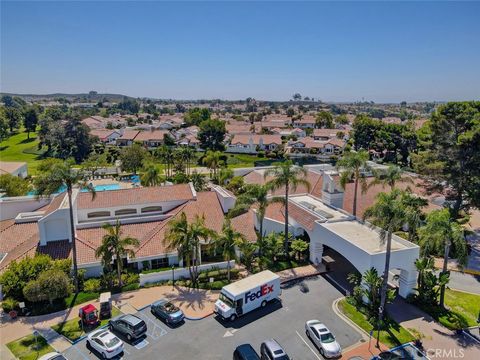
9,304
91,285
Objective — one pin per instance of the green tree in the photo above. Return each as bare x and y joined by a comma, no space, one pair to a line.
390,177
299,247
132,157
94,162
414,216
450,154
388,213
211,135
186,238
3,124
14,118
247,253
114,245
30,121
213,160
226,242
286,175
341,119
198,181
53,176
224,176
351,166
236,185
439,234
13,185
324,119
51,285
167,157
151,176
71,140
196,115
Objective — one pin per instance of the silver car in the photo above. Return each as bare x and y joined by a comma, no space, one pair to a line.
271,350
105,343
323,339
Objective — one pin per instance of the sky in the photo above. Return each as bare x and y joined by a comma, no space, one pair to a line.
338,51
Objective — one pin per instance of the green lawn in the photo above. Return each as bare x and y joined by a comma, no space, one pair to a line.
394,336
18,148
26,348
464,310
72,329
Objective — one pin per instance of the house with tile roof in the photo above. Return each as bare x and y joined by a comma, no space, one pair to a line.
127,138
151,139
251,144
144,213
106,136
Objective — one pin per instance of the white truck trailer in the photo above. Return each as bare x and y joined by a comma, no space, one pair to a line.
248,294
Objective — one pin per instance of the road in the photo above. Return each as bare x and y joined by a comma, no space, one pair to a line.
212,338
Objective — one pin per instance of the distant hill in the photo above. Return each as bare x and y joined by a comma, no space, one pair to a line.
82,97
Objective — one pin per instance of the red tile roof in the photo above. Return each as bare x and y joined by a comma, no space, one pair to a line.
267,139
143,195
129,135
156,135
245,224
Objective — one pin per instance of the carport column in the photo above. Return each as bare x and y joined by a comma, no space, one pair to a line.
316,251
407,282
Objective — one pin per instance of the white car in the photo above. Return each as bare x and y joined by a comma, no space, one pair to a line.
105,343
52,356
323,339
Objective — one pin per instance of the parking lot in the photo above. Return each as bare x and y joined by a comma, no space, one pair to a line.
211,338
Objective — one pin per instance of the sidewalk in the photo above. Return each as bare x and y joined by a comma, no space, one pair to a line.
438,341
300,272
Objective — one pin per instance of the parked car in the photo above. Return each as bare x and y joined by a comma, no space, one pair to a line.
53,356
105,343
271,350
130,326
387,355
166,311
323,339
245,352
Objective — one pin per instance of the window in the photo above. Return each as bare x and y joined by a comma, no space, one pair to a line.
159,263
125,211
97,214
151,209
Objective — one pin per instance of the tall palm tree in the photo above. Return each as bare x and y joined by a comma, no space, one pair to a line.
226,242
423,265
440,233
186,239
53,176
213,161
414,215
352,163
390,177
256,195
114,245
187,154
286,175
166,155
151,176
388,214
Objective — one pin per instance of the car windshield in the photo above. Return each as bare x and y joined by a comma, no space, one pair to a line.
111,342
327,338
169,308
226,300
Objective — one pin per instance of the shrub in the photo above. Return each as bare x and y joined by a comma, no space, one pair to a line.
9,304
50,285
92,285
130,278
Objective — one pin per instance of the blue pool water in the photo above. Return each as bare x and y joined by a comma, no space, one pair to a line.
97,188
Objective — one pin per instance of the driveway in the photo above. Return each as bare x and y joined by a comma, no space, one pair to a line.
211,338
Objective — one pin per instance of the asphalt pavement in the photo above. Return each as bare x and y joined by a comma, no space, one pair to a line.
212,338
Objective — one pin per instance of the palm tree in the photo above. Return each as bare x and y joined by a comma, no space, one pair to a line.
390,177
198,181
213,161
388,214
256,195
151,176
423,265
248,250
166,155
440,233
289,176
55,175
186,238
413,213
186,154
226,242
352,163
116,246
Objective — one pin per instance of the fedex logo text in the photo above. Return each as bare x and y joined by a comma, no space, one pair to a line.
264,290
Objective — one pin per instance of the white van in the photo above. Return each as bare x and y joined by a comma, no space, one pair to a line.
248,294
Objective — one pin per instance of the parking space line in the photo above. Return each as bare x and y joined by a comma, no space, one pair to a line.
314,353
80,352
157,331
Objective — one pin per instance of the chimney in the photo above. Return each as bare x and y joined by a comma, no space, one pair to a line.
331,194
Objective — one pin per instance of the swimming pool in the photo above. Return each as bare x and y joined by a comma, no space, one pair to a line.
104,187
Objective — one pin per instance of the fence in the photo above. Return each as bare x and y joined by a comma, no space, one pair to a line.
180,272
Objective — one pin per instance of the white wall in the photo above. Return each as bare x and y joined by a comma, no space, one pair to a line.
55,226
10,207
180,273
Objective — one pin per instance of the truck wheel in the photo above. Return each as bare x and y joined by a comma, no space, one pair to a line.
129,337
264,303
233,317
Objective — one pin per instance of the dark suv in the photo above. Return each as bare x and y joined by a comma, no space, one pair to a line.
131,326
245,352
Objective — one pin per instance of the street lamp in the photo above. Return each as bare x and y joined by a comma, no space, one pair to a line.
173,277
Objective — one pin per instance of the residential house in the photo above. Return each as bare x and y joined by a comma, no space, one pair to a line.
251,144
127,138
151,139
106,136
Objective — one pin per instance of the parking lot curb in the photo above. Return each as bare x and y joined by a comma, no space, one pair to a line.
337,311
84,336
198,318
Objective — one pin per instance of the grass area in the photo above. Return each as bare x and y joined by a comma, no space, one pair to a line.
27,349
463,312
242,160
18,148
395,334
72,329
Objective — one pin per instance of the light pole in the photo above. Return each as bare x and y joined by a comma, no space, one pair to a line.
173,277
379,322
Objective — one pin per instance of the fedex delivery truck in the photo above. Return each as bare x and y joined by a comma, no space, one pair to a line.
248,294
